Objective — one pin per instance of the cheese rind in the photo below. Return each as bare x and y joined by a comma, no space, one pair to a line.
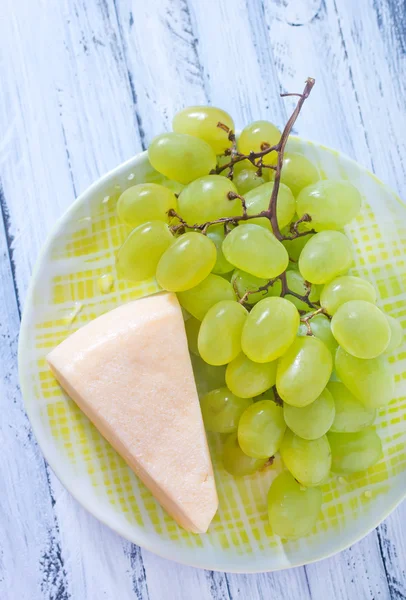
130,372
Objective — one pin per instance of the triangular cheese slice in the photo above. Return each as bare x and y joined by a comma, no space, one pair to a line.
130,372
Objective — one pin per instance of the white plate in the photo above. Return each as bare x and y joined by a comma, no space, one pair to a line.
64,295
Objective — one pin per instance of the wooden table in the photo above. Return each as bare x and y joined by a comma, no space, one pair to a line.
85,84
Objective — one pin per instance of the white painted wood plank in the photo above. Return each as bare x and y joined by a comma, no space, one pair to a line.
98,562
305,40
381,96
93,90
355,104
86,103
34,165
283,584
36,153
238,70
161,54
167,579
31,565
359,571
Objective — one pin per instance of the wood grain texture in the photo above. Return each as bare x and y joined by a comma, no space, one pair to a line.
85,89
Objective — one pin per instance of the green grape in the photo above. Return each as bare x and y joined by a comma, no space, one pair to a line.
243,282
186,262
396,337
316,291
199,299
343,289
371,380
295,246
303,371
298,172
292,509
258,199
361,329
293,266
309,461
207,377
247,379
138,257
145,202
222,410
216,234
327,255
255,250
331,204
181,157
312,421
236,462
351,415
321,329
174,186
258,136
261,429
354,452
269,329
192,327
206,199
247,180
202,122
219,339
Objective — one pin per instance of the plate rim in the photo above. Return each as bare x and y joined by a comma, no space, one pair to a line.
44,446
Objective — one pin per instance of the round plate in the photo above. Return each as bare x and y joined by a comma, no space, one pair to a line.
65,295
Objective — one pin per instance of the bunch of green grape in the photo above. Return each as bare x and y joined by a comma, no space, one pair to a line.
300,370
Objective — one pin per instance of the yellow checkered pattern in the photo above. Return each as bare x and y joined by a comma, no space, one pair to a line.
66,296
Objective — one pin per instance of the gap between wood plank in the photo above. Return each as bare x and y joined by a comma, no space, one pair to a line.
141,131
9,240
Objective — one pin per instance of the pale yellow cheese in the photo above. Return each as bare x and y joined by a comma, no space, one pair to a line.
130,372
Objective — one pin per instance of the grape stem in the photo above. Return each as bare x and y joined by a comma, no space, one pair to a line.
268,463
262,288
277,399
285,291
294,226
280,149
306,320
256,158
303,297
233,196
203,227
223,126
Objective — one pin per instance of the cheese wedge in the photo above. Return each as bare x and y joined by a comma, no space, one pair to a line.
130,372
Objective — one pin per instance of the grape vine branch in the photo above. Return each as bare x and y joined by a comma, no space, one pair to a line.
256,158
